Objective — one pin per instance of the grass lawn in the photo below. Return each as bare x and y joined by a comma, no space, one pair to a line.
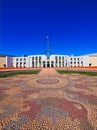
77,72
12,73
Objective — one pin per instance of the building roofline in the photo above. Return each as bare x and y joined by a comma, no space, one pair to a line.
4,55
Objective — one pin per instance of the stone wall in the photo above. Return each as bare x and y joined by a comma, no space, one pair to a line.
2,62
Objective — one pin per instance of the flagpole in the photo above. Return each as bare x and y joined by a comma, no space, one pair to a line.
48,49
48,46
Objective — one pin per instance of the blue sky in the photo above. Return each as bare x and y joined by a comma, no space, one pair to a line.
70,24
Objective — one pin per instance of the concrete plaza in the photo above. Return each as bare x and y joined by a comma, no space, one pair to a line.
48,101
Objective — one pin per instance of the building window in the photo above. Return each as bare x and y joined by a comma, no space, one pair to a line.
17,64
70,58
90,64
4,65
20,64
48,57
74,58
63,64
33,64
82,63
24,64
59,58
56,57
20,59
24,59
39,57
16,59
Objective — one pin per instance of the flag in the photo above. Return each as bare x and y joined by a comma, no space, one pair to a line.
46,37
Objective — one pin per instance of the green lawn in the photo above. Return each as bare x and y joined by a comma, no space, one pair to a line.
12,73
77,72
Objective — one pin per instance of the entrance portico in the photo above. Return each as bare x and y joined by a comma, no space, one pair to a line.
48,63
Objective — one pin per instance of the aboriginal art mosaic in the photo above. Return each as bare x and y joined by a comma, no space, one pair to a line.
48,101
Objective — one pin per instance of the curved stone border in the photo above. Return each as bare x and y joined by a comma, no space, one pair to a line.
47,82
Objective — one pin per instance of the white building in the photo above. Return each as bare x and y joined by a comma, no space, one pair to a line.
34,61
51,61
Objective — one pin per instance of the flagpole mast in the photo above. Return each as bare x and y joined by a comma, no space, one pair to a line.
48,49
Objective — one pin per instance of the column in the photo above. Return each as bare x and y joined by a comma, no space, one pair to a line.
61,62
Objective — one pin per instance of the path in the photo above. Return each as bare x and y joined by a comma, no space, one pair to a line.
48,71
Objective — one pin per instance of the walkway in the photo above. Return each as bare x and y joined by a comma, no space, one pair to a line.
48,101
48,71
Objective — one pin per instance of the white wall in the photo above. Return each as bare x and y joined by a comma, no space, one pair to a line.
9,61
85,60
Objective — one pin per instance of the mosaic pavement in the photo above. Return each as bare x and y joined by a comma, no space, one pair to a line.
48,101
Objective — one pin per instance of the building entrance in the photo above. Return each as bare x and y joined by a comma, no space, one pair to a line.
52,64
44,64
48,64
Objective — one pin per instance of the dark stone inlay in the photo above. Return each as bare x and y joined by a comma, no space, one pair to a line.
47,81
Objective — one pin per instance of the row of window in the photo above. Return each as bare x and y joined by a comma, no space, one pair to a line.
56,58
76,59
72,58
21,63
24,59
51,62
20,59
76,62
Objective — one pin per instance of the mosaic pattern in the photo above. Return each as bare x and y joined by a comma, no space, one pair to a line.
48,102
47,81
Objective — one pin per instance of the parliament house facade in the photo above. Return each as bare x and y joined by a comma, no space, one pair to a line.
55,61
35,61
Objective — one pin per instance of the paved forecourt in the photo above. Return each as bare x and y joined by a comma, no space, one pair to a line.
48,101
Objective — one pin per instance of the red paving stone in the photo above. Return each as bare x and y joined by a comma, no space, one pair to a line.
48,101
